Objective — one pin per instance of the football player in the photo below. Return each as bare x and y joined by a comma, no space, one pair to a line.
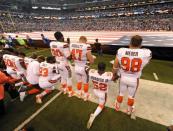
81,53
49,76
100,80
32,77
20,65
9,60
28,60
129,62
61,51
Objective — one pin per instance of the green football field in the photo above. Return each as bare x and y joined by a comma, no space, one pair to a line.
72,114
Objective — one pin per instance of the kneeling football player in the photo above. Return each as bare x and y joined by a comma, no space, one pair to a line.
49,76
100,80
32,77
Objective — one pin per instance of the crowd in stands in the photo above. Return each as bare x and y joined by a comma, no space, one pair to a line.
138,23
154,17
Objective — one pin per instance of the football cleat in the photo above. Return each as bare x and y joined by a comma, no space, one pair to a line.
86,96
70,93
131,112
22,96
90,121
117,106
65,90
38,99
19,84
79,94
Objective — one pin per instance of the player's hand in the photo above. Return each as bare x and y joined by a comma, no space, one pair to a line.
115,77
87,69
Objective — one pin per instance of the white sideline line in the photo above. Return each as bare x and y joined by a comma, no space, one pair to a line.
37,112
155,76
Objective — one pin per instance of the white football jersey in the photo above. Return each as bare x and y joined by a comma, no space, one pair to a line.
9,61
132,61
48,72
60,50
79,53
100,82
28,60
19,67
32,72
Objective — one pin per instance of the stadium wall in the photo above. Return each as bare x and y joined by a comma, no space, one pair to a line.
161,53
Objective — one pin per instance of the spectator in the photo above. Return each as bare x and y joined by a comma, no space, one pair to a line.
46,41
30,41
10,41
98,47
21,41
68,41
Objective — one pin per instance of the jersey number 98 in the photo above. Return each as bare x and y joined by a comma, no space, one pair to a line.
133,65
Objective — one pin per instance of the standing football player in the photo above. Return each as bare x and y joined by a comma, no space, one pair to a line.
61,51
81,54
129,62
100,80
49,76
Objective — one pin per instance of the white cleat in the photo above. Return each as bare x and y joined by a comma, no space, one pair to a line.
22,96
131,113
38,100
86,96
65,90
79,94
90,122
70,93
19,84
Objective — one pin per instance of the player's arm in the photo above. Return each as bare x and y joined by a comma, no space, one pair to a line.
67,52
90,57
22,63
115,69
36,70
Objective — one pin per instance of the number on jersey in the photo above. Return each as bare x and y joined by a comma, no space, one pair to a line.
10,63
133,65
76,54
100,86
44,72
56,52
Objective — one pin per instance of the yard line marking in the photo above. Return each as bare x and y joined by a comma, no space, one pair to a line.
37,112
155,76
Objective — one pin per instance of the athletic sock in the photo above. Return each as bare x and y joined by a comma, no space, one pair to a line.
45,92
79,85
33,91
98,110
86,87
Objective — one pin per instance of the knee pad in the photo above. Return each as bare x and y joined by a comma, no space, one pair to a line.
120,99
130,102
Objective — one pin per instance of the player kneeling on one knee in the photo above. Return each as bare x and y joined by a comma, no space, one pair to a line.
49,76
130,62
100,80
32,77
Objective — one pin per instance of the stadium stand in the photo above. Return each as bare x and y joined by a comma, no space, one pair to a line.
157,16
